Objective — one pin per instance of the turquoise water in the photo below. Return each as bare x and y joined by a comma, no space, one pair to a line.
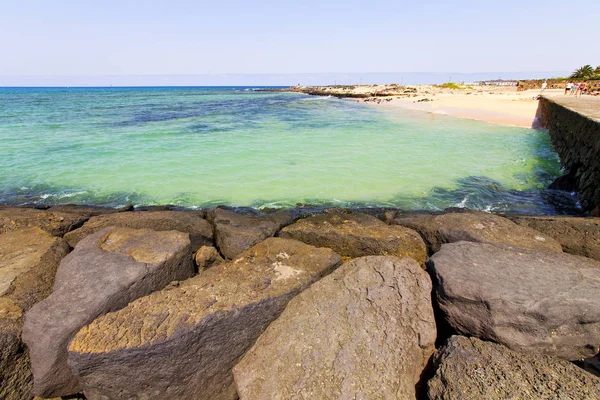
198,147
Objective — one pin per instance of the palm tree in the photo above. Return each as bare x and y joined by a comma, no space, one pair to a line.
583,72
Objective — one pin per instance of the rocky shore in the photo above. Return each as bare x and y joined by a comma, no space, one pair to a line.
155,303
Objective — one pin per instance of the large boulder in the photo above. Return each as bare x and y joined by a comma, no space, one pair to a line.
357,235
104,272
365,331
531,301
236,233
469,369
473,226
28,261
183,341
55,223
190,222
579,236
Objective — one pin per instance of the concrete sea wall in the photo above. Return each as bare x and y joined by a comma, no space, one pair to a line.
574,127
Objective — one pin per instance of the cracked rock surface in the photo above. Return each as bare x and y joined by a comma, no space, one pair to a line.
365,331
577,235
104,272
356,235
183,341
236,233
530,301
199,229
470,369
55,223
28,261
474,226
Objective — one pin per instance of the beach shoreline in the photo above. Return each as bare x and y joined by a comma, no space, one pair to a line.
502,105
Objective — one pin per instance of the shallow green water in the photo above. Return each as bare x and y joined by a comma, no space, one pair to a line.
207,146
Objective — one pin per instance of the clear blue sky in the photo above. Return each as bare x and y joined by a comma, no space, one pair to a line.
107,37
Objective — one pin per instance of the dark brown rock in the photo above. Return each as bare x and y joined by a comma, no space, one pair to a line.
104,272
235,233
473,226
206,257
55,223
469,369
579,236
28,261
183,341
531,301
357,235
365,331
190,222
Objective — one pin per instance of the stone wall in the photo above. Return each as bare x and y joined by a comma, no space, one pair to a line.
576,139
552,83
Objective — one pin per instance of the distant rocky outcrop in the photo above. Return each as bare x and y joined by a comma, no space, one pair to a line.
190,222
105,271
473,226
365,331
236,233
469,369
28,261
355,235
531,301
183,341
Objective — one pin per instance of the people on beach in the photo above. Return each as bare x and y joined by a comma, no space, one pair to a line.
568,88
544,85
582,88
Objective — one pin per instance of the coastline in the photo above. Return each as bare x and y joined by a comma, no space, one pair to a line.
502,105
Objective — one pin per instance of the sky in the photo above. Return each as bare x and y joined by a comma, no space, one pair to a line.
82,42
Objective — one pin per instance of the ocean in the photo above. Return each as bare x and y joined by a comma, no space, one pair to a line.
207,146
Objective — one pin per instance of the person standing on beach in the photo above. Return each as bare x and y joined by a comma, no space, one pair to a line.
544,85
582,88
568,88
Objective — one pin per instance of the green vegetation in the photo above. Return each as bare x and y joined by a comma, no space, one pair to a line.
453,85
586,72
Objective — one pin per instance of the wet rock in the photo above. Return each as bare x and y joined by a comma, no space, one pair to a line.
55,223
531,301
88,211
579,236
207,256
365,331
235,233
105,271
470,369
190,222
28,261
195,332
474,226
356,235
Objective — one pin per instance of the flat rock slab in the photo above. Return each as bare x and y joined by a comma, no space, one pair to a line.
357,235
104,272
531,301
579,236
474,226
28,261
55,223
470,369
236,233
190,222
22,251
366,331
183,341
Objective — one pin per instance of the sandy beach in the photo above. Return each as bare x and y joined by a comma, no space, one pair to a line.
499,105
495,104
